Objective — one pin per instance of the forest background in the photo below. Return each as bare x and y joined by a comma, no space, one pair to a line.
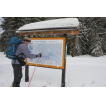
91,39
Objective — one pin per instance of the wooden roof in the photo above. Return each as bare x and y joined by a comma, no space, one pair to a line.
56,26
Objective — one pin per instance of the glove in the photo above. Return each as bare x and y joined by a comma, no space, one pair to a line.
39,55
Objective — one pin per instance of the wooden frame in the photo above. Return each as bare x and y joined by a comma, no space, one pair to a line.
72,32
63,59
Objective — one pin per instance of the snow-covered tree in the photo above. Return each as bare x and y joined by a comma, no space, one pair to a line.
96,47
83,36
91,39
96,26
77,46
11,24
89,34
103,41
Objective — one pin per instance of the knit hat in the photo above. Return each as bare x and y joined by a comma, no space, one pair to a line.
27,39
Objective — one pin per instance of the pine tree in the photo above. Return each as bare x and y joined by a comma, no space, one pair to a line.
91,39
77,46
83,36
11,24
97,27
94,26
103,41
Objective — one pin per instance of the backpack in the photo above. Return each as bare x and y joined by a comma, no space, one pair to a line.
11,48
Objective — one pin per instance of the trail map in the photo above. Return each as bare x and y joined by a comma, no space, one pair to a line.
52,51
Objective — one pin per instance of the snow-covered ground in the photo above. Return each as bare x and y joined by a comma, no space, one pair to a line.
81,71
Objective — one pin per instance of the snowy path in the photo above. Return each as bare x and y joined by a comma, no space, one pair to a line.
81,71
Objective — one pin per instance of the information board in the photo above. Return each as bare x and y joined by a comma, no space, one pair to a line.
52,49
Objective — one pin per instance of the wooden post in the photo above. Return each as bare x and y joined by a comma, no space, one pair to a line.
64,70
27,73
73,52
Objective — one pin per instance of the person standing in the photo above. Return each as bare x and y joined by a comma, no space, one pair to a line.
22,52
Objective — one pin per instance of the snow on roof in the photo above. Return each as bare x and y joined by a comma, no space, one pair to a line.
56,24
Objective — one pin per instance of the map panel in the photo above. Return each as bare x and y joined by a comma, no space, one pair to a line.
52,52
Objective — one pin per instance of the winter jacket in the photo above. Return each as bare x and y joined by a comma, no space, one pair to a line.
23,48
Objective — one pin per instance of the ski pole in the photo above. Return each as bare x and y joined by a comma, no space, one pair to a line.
22,70
33,73
46,85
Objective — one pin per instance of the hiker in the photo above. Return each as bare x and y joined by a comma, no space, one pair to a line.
22,52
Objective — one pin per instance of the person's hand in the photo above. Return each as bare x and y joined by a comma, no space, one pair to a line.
39,55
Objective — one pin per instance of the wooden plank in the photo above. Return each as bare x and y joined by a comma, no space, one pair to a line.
72,32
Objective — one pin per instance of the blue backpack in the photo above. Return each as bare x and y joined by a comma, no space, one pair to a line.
11,48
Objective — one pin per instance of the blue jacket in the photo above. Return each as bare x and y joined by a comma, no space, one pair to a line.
23,48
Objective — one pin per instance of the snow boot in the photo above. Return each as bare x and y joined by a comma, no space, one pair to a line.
15,84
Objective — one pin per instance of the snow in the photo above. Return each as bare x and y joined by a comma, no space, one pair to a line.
56,23
1,19
81,71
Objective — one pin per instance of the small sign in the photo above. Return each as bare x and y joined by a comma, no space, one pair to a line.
66,52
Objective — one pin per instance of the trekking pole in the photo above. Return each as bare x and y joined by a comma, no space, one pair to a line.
46,85
22,70
33,73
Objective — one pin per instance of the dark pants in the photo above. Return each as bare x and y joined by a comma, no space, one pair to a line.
17,69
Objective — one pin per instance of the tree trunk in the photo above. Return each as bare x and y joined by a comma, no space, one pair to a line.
96,30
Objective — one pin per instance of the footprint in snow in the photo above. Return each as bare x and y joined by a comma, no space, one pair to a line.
83,85
92,82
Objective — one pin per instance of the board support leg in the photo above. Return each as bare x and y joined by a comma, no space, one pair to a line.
64,70
27,73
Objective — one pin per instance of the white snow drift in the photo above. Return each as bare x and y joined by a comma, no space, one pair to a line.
81,71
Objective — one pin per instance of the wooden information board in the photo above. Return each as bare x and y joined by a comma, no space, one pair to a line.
52,49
